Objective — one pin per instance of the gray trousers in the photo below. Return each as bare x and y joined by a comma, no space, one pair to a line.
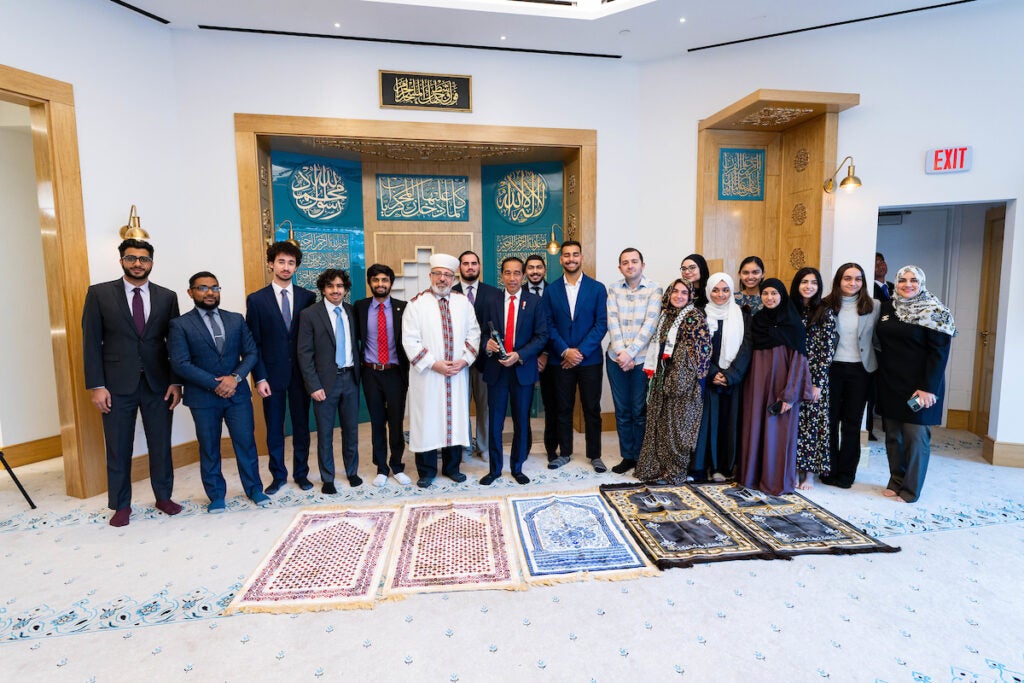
478,394
908,447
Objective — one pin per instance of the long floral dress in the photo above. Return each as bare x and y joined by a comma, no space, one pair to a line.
752,302
675,402
812,449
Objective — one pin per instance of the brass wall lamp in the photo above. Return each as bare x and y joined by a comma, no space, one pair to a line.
553,246
133,231
849,183
291,234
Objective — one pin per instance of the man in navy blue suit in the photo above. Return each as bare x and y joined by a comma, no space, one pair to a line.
510,369
212,351
577,319
272,314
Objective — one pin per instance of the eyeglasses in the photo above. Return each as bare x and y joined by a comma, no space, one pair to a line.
130,258
203,289
689,269
442,274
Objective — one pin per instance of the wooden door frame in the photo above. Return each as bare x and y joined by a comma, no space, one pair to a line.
249,128
984,308
51,106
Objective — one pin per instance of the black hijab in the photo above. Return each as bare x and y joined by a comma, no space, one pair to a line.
778,326
700,296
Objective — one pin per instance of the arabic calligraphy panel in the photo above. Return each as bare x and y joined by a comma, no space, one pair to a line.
521,196
422,198
318,191
741,174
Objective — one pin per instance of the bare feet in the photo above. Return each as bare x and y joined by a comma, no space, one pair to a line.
889,493
806,481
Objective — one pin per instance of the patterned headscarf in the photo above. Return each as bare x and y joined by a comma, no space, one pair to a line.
923,309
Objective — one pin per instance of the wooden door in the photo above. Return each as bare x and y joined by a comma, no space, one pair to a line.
988,311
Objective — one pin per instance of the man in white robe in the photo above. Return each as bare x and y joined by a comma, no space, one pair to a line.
441,337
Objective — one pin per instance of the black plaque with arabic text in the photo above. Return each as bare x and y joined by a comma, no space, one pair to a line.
399,90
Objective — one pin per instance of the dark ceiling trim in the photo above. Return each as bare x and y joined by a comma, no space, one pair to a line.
140,11
837,23
393,41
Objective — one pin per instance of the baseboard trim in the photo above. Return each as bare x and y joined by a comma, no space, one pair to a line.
958,419
1003,453
181,455
33,451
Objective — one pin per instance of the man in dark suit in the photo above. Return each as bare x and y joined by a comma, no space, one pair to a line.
385,372
213,352
478,292
124,340
578,319
514,314
536,272
272,314
327,355
883,292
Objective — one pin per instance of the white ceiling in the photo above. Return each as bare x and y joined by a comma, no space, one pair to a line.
636,30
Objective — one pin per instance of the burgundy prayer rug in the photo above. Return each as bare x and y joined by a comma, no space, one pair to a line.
326,559
453,546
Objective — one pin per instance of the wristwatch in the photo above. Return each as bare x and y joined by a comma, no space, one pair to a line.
238,378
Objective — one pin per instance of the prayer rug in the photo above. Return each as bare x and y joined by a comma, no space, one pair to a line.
453,546
573,537
789,524
678,528
326,559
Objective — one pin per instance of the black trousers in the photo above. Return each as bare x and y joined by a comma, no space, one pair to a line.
588,379
342,402
385,392
848,394
426,462
119,434
549,398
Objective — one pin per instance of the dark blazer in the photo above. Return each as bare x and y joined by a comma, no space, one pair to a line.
587,329
531,336
195,359
880,295
112,349
362,312
484,292
912,357
317,347
278,357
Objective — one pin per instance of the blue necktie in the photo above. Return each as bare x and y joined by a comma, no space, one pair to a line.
339,336
286,309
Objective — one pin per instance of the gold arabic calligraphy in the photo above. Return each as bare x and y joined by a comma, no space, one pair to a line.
520,197
318,191
741,174
411,197
426,91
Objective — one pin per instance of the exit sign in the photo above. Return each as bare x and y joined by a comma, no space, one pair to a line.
948,160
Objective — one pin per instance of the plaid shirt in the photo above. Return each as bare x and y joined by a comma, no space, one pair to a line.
632,317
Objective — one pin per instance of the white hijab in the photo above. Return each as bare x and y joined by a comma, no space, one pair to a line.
731,317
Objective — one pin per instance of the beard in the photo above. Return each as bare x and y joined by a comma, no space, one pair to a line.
440,290
207,307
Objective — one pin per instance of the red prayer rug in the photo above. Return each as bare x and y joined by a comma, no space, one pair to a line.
453,546
326,559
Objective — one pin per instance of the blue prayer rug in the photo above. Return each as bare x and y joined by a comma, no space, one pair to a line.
574,537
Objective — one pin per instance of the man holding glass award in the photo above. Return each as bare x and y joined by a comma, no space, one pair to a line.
516,331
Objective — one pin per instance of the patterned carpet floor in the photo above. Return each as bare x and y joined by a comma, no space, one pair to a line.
82,601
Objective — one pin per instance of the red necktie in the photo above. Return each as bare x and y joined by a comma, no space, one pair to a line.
382,336
510,324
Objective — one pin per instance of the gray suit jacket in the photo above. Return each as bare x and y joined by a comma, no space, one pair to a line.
866,335
317,347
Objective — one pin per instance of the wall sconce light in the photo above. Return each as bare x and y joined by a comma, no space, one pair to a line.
133,231
849,183
291,234
553,246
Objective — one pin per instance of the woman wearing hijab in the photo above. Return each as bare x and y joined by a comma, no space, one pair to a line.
779,379
812,449
914,331
850,374
729,325
676,374
694,270
751,274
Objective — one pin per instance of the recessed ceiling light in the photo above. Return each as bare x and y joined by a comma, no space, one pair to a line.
504,37
337,25
682,20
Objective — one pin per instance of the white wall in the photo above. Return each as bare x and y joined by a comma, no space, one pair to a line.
155,125
26,354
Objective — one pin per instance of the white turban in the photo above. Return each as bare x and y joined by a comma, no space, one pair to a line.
444,261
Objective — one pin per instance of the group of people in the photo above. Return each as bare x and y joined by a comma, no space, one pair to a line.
761,384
